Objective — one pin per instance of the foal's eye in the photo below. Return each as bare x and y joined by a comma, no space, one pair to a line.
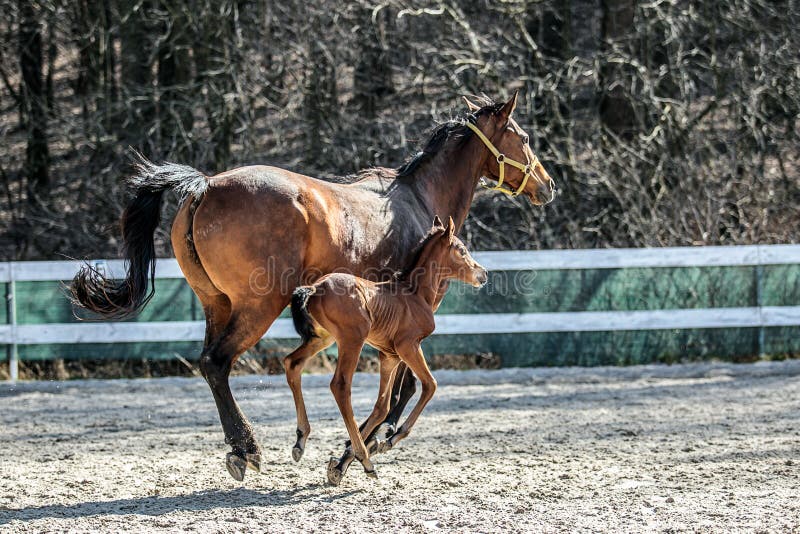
525,139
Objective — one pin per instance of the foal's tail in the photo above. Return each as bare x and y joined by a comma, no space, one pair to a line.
303,322
116,299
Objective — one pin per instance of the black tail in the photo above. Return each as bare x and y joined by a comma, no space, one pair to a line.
116,299
300,316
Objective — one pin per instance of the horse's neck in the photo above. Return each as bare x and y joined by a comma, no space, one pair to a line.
448,181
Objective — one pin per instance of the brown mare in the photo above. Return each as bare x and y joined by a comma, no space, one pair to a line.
394,317
246,238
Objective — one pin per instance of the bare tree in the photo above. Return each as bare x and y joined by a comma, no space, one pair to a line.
37,156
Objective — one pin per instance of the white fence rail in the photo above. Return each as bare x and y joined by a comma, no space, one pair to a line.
500,323
507,260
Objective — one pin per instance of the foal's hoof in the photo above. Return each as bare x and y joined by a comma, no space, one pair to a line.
334,473
373,473
237,465
297,453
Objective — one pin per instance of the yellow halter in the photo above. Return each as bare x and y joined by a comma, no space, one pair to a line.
501,162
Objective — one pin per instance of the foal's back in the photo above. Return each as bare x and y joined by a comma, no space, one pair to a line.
346,306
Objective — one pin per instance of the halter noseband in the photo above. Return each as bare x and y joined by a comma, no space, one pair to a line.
527,170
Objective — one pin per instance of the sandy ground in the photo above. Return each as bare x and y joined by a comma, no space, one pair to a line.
707,447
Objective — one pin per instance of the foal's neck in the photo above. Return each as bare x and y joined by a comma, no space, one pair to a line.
425,278
449,180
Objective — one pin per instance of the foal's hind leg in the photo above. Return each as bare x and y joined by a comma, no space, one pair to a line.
293,364
341,387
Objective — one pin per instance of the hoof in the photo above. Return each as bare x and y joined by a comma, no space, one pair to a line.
372,474
334,473
253,461
236,466
386,430
297,453
383,445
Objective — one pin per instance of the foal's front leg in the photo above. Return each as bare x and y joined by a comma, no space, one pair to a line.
293,365
412,355
389,364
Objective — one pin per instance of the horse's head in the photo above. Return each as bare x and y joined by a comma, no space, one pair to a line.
512,163
452,258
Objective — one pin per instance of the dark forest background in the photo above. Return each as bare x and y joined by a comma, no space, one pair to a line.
662,122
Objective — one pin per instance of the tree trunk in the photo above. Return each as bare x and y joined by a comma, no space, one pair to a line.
136,68
175,109
372,76
108,62
217,58
30,60
616,109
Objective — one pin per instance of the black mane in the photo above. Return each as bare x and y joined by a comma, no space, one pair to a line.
455,128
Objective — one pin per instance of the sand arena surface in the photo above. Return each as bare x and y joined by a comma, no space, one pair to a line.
708,447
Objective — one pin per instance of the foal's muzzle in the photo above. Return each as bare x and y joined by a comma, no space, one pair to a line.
481,278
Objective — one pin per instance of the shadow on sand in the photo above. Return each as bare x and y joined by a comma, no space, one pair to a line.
156,506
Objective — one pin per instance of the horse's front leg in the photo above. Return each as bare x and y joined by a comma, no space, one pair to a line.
293,364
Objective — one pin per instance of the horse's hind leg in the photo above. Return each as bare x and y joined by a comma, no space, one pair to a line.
293,364
403,388
245,327
388,365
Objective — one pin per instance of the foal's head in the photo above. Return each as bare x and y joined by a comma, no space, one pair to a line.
447,257
512,142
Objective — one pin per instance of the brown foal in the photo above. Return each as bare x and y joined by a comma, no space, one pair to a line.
394,317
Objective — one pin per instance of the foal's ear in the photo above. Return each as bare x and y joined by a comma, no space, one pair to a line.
470,104
437,223
451,227
509,107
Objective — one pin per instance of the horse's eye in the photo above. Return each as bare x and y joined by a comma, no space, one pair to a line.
525,139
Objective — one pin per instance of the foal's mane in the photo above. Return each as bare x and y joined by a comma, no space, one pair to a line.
417,254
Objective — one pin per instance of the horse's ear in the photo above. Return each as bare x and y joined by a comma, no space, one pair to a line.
473,107
509,107
451,227
437,223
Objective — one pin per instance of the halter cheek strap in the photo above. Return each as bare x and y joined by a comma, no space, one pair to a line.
527,170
